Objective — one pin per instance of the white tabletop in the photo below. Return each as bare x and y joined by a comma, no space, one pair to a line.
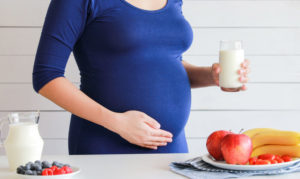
123,166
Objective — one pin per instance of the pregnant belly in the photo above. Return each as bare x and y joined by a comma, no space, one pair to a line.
158,88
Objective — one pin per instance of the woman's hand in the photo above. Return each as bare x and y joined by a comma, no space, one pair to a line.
140,129
243,72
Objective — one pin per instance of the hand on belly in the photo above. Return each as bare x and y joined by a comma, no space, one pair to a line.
140,129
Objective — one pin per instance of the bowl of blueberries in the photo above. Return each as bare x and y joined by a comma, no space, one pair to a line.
45,169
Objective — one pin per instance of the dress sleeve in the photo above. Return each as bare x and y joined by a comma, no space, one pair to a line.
64,23
180,57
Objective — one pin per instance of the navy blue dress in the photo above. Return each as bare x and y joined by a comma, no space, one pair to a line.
129,59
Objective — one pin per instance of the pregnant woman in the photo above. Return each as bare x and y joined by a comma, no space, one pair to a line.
135,90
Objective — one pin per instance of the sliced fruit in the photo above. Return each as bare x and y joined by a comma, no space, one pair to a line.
262,162
47,172
59,171
252,160
53,168
266,156
286,158
67,169
273,161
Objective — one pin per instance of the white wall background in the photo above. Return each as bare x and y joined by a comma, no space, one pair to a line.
270,30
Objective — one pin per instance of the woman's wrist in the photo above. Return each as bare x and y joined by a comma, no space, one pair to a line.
205,77
212,81
108,119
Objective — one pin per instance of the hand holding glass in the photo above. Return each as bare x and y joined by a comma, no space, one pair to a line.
230,58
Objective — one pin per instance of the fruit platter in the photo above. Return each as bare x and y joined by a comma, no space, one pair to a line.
45,169
254,149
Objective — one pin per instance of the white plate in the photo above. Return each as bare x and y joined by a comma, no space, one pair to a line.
222,164
75,170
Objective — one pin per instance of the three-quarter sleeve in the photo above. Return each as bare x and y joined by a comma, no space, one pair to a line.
64,23
180,57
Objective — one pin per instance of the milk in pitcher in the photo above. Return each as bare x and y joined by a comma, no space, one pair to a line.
23,143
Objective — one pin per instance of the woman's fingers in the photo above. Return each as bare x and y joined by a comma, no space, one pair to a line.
243,88
153,143
155,137
243,71
245,64
215,73
160,139
243,79
161,133
150,147
216,68
152,122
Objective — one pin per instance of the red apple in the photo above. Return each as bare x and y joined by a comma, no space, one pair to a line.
213,143
236,148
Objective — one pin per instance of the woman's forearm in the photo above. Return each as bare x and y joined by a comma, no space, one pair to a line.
63,93
199,76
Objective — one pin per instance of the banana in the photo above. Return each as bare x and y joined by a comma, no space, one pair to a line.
276,137
254,131
291,150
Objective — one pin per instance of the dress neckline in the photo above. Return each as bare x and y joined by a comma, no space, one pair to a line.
145,10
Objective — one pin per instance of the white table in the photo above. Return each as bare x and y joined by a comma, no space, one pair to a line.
123,166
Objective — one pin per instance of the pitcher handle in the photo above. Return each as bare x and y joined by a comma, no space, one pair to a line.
2,122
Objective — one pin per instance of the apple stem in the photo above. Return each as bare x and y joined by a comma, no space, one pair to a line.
241,130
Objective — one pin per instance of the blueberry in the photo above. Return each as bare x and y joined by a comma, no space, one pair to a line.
55,163
27,166
33,166
59,165
28,172
34,173
38,167
39,172
46,164
29,163
38,162
20,170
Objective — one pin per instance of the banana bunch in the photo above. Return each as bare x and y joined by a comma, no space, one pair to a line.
274,141
291,150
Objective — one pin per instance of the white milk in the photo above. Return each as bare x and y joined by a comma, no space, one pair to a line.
230,62
23,144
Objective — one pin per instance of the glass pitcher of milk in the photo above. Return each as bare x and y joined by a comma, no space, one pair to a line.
23,143
231,57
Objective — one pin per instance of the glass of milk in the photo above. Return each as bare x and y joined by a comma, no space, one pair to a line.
230,58
23,143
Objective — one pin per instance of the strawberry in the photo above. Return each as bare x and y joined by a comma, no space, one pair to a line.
266,157
262,162
59,171
47,172
286,158
273,161
252,160
67,169
54,167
